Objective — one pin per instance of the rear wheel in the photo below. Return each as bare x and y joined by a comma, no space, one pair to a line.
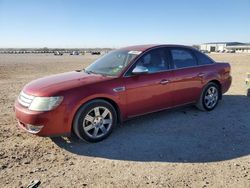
95,120
209,97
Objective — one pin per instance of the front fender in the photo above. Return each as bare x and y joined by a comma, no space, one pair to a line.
76,100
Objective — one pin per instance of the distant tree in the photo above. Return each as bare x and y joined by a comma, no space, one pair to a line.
45,49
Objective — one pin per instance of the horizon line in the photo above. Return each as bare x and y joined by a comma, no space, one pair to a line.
114,46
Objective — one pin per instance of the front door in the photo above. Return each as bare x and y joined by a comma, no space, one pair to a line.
150,91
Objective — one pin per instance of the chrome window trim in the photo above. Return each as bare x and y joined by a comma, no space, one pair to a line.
172,70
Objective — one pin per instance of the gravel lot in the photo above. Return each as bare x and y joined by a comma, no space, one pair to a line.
179,148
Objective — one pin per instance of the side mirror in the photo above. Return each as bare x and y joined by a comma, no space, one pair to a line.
140,70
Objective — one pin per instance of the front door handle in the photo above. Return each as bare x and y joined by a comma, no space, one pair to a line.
201,74
163,82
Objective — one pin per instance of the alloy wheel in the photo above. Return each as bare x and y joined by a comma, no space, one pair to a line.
97,122
211,97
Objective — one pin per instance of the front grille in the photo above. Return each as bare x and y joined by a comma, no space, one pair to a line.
25,99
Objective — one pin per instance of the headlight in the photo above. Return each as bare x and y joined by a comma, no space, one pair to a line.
45,103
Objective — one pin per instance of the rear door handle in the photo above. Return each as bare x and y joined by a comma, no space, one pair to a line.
163,82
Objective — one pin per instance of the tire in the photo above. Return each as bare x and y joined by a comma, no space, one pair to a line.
95,120
208,102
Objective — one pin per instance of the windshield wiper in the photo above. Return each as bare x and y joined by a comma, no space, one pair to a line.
88,72
92,72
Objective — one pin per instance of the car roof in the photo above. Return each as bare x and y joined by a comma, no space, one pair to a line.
145,47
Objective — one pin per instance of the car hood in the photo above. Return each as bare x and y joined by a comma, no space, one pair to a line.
53,85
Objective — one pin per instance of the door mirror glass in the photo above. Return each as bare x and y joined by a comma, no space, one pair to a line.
140,70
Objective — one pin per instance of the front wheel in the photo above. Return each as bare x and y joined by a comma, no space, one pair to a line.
95,120
209,97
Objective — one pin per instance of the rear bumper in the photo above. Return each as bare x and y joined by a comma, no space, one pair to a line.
52,123
226,84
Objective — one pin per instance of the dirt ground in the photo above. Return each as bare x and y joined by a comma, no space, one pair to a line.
175,148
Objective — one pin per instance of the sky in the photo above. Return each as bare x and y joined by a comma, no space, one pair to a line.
118,23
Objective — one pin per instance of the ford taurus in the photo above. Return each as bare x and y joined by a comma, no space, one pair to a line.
124,83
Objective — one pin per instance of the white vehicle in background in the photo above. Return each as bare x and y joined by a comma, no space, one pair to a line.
58,53
74,53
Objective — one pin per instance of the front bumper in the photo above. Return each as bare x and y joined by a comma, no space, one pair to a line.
51,123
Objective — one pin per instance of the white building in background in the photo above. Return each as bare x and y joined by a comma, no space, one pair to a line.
240,48
225,46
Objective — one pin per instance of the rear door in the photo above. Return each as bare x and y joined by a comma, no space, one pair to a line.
152,91
187,76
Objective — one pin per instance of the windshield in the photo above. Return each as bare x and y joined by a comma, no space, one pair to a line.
112,63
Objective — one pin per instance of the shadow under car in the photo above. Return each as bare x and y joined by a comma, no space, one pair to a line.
179,135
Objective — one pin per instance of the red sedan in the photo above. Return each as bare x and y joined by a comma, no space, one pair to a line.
124,83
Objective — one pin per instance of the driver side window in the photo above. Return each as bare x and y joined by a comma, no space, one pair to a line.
155,60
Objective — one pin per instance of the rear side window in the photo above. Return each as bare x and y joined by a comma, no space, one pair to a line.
203,59
182,58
